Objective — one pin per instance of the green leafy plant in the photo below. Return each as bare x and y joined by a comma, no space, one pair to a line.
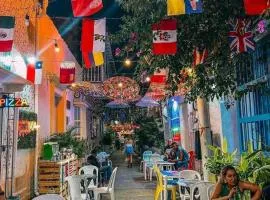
148,134
252,166
208,29
108,137
27,141
221,158
69,140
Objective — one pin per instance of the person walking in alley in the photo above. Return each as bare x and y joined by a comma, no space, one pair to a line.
179,156
129,151
230,187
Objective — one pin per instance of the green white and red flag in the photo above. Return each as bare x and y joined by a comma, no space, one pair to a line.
7,24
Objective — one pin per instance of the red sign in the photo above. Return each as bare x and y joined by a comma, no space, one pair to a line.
177,138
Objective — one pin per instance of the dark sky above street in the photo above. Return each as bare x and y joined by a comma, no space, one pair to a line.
70,27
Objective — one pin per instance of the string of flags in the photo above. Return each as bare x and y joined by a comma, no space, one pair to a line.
93,41
164,34
240,37
181,7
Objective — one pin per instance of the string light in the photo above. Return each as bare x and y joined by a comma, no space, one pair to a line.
27,20
56,47
120,84
127,62
148,79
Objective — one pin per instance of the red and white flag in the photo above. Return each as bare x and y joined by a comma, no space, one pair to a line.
93,38
67,72
256,7
7,24
165,37
199,57
82,8
34,72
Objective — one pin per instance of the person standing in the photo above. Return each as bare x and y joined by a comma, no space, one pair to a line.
129,150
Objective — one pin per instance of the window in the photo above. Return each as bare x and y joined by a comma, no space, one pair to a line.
77,119
68,104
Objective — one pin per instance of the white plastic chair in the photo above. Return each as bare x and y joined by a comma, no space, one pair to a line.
149,166
146,159
91,170
74,186
210,190
106,190
189,175
204,190
49,196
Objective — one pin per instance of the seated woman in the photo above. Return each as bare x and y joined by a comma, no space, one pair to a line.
230,187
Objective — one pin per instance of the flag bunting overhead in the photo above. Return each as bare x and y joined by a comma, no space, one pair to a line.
93,40
181,7
67,72
199,56
34,72
82,8
255,7
7,24
240,37
165,37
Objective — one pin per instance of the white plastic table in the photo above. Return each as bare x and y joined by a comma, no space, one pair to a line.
166,164
49,196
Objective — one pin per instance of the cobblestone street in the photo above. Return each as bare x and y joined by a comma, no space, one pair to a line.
130,183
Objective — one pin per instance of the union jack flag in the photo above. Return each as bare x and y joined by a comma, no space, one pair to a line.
240,37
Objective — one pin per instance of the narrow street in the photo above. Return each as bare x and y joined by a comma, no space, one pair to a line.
130,183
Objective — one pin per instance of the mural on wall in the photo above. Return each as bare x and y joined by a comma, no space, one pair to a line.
27,130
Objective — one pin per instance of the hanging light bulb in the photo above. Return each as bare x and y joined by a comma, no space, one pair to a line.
56,47
127,62
27,20
120,84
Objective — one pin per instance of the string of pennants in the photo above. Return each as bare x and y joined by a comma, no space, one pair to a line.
164,32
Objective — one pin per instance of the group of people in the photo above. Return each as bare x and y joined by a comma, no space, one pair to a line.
104,168
178,155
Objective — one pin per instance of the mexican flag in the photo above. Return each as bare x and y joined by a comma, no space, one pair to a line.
7,24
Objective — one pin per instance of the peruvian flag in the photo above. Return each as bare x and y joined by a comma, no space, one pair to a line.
199,57
165,37
67,72
82,8
7,24
93,38
34,72
255,7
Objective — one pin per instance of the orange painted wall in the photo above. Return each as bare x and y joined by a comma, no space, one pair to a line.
25,38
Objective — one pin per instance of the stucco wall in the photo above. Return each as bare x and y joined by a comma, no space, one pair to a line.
215,121
25,38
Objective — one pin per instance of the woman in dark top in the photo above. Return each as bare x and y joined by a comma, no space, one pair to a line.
230,187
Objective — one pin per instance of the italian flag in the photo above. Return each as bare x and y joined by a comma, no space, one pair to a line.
6,33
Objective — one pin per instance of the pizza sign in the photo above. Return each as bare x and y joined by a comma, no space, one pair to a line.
13,102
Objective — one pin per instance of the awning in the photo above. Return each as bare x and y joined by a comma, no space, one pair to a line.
7,77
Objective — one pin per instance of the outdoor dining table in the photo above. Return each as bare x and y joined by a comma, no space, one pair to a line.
166,176
165,164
